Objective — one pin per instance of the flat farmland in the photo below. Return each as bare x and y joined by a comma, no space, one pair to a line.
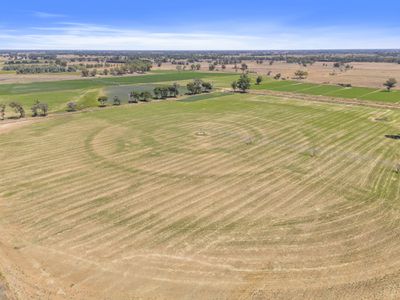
233,197
362,93
86,91
365,74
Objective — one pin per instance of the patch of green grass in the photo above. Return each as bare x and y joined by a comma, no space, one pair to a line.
363,93
353,92
384,96
273,85
56,100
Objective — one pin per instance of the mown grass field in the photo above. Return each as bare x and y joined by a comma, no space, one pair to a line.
57,93
361,93
232,197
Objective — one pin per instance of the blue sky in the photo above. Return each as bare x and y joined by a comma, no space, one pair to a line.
200,25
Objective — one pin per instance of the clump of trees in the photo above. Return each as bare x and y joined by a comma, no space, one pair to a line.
128,67
195,67
242,84
18,108
390,83
300,74
135,96
39,109
36,69
259,80
165,92
199,86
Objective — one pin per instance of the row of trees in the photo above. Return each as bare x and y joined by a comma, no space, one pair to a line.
38,109
199,86
195,87
134,66
36,69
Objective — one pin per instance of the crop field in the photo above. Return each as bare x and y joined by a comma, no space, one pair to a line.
85,91
362,93
225,197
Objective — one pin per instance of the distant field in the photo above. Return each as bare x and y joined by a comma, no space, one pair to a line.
216,197
331,90
57,93
13,89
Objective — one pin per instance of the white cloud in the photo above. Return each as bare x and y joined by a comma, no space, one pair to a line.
71,36
46,15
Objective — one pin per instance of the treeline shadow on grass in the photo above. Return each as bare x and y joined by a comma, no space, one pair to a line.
393,136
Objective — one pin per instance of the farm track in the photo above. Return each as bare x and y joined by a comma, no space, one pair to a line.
203,202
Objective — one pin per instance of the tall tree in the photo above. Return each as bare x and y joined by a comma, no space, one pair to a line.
243,83
390,83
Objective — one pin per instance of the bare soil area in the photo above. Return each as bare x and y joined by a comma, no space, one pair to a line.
362,74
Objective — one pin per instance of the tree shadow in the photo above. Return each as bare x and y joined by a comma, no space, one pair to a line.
393,136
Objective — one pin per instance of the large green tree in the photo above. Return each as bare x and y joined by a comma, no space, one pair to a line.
244,83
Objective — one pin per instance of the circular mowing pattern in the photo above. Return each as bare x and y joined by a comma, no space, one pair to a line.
194,149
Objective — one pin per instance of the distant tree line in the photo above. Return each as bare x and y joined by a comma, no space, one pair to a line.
36,69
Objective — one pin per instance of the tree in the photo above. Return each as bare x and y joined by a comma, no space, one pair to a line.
300,74
145,96
35,108
243,83
134,97
244,67
390,83
102,100
157,92
116,101
93,73
85,73
278,76
211,67
173,90
207,87
105,72
18,109
234,85
164,91
72,106
259,80
195,87
41,109
176,89
198,67
2,111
